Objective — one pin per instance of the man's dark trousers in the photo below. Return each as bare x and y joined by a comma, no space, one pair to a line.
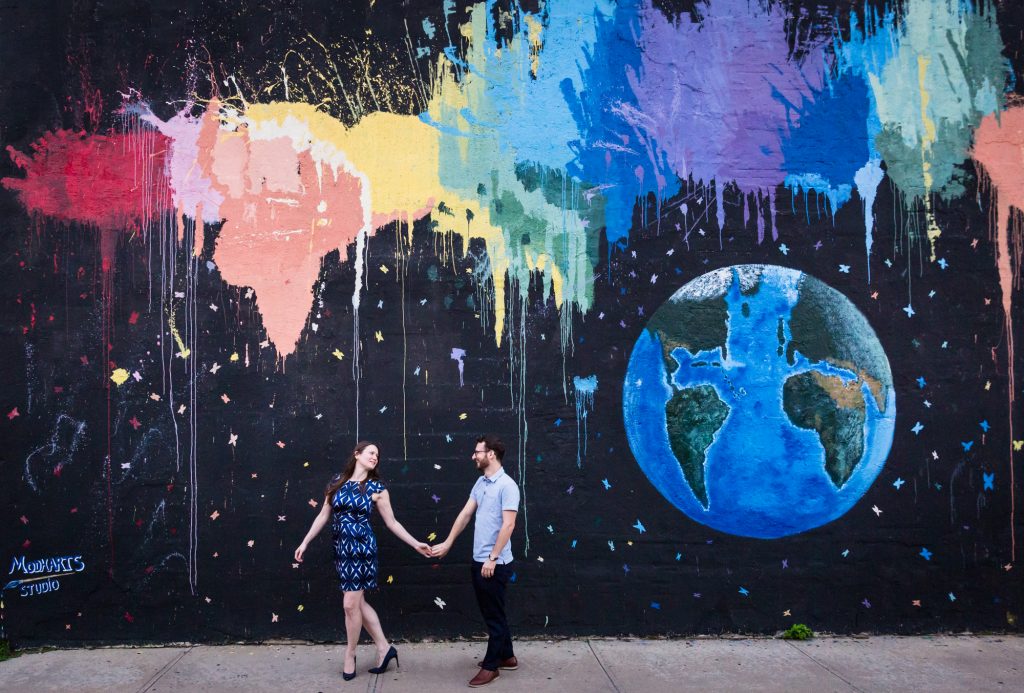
490,596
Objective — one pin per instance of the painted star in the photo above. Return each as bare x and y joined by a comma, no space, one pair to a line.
214,368
916,602
785,563
952,597
921,382
943,264
989,481
967,445
984,425
898,483
876,510
866,603
845,269
909,310
606,484
925,554
787,613
783,249
233,439
927,404
273,617
744,591
640,526
135,422
917,428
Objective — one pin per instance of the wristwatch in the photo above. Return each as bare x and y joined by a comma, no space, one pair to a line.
492,558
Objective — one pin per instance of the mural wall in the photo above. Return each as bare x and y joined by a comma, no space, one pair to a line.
737,281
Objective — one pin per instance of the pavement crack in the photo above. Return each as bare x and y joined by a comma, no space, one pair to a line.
601,664
826,667
163,670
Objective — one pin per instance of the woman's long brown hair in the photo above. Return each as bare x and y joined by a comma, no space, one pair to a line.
350,468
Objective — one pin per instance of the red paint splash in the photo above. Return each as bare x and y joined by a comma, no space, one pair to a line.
111,182
114,183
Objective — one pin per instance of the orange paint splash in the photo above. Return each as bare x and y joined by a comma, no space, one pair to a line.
999,153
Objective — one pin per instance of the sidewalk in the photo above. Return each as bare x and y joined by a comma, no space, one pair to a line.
883,663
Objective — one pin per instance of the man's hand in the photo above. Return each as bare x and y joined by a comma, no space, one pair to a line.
488,569
424,550
440,550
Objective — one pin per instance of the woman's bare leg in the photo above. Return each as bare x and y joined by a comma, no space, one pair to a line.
371,622
353,626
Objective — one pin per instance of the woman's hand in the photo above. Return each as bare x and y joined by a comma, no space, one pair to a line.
423,549
299,551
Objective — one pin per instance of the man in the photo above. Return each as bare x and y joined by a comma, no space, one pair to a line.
495,502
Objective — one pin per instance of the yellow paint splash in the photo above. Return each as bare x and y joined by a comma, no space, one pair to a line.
119,376
534,31
927,140
183,351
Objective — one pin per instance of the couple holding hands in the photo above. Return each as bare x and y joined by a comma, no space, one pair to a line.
493,504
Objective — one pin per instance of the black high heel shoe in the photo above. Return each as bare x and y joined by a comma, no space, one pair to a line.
349,675
392,654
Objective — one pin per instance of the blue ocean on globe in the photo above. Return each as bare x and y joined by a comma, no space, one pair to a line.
759,401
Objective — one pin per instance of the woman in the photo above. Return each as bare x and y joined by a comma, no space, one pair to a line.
348,503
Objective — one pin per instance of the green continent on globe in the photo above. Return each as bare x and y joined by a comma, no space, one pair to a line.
833,409
695,325
823,329
694,415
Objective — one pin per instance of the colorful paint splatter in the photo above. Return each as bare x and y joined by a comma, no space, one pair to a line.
685,258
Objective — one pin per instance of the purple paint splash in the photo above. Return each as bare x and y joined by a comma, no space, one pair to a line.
714,96
459,355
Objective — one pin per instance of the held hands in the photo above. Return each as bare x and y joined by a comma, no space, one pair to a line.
423,549
440,550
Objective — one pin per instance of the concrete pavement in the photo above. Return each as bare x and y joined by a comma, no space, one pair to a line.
881,663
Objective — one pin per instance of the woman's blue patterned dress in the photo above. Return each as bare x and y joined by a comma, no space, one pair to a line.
355,546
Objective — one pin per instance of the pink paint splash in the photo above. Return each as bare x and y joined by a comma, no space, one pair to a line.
283,211
192,191
999,153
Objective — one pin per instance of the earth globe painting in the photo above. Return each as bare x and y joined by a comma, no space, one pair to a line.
759,401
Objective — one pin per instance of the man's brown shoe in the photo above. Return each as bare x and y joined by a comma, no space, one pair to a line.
483,678
510,664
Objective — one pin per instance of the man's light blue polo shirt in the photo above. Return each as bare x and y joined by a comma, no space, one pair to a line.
492,495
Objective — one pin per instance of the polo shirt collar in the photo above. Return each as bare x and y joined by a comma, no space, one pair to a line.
497,475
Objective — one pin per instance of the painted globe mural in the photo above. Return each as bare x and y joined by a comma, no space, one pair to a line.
759,401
